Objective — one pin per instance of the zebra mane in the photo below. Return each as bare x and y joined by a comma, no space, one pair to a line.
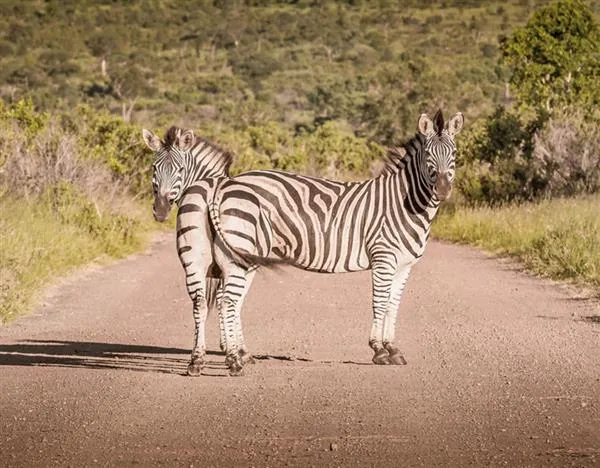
225,156
200,144
172,136
397,157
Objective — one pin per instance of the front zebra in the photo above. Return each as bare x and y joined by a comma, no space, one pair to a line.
381,224
185,171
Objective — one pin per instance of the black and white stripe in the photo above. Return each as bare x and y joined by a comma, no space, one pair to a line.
381,224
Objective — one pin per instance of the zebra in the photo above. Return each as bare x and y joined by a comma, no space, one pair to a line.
383,224
186,170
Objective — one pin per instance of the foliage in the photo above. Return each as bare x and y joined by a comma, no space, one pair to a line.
555,58
25,115
547,145
58,208
107,138
331,150
497,159
374,65
97,151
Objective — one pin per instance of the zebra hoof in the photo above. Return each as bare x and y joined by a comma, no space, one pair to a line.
396,356
194,368
235,364
236,369
397,359
382,358
247,358
229,360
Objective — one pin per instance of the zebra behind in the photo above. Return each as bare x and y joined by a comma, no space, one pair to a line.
382,224
185,171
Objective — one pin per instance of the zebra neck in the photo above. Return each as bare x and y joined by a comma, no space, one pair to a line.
412,185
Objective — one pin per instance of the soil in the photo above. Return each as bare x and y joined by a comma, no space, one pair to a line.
503,369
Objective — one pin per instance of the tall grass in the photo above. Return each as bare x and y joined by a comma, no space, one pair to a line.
60,207
37,245
558,238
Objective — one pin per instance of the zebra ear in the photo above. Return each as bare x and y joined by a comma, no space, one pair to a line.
186,139
425,126
151,140
456,124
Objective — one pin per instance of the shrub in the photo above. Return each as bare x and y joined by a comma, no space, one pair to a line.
496,155
554,58
107,138
567,154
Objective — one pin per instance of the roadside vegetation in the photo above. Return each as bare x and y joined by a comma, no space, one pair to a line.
556,238
314,86
67,196
521,162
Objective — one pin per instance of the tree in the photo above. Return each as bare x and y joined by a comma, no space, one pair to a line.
555,58
128,83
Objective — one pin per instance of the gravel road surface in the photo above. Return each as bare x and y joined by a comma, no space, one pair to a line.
503,369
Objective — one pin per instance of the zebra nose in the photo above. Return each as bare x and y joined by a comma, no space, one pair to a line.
443,185
443,176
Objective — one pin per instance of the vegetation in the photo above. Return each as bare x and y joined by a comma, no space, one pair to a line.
546,143
313,86
555,238
232,64
66,196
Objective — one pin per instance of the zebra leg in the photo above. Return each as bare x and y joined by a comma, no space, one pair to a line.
389,324
200,311
245,355
235,285
383,269
195,254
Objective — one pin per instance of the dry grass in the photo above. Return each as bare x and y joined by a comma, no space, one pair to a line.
37,245
558,238
58,210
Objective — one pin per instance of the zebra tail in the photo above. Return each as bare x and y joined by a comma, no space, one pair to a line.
212,286
246,257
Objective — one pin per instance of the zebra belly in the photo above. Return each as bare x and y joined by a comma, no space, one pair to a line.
322,254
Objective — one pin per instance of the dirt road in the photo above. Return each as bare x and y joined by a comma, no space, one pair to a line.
502,370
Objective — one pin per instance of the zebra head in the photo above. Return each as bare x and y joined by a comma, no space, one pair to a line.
168,168
440,151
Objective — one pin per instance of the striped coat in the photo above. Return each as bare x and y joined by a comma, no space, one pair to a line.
381,224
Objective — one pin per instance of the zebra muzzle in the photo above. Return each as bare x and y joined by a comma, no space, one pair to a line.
443,186
161,208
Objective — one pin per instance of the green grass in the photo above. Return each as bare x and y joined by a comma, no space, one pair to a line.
37,245
559,239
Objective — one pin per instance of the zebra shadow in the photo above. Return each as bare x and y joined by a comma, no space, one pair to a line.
98,355
115,356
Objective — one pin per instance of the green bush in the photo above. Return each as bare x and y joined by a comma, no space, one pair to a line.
109,139
496,159
554,58
24,114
